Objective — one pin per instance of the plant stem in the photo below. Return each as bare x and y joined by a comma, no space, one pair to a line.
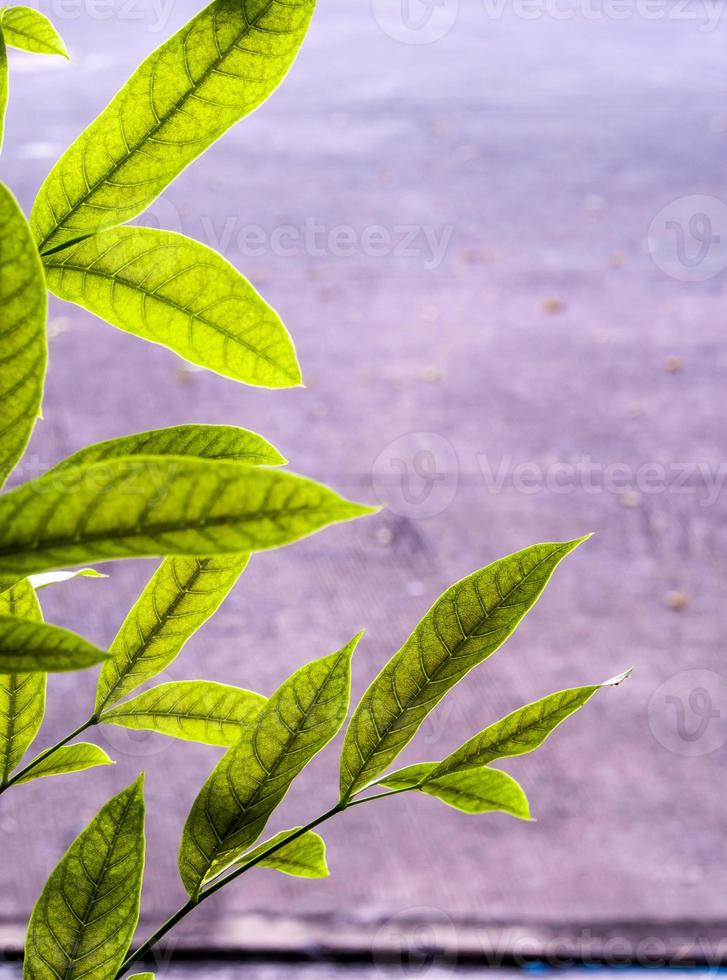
221,882
44,755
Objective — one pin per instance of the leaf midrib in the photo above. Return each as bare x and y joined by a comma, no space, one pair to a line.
161,121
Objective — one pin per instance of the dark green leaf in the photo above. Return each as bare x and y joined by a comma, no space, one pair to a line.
199,711
29,30
464,627
182,595
181,294
200,441
154,505
26,647
69,758
252,778
85,918
521,731
23,348
218,68
22,696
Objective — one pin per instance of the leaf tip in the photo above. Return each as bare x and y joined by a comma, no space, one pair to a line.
618,679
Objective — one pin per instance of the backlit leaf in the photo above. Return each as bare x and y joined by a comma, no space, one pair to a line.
522,731
464,627
45,579
23,348
181,595
176,292
476,791
305,857
155,505
218,68
29,30
27,646
69,758
4,85
198,711
22,696
85,918
252,778
200,441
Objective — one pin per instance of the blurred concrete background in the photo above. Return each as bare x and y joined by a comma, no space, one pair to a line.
520,337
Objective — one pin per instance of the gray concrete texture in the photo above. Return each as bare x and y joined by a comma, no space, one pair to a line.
544,357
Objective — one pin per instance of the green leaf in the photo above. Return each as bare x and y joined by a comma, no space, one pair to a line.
198,711
476,791
522,731
464,627
252,778
181,595
22,696
29,30
45,579
199,441
218,68
85,918
26,647
143,976
23,347
304,857
181,294
69,758
152,505
4,85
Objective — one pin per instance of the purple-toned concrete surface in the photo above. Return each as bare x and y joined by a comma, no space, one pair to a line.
537,154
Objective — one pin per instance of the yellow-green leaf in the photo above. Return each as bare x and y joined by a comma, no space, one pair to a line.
475,791
27,647
218,68
464,627
68,758
23,346
253,777
29,30
85,918
304,857
198,711
4,85
155,505
176,292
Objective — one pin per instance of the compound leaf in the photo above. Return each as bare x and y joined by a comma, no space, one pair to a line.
465,626
218,68
304,857
181,595
69,758
475,791
23,346
176,292
29,30
252,778
198,711
155,505
22,696
85,918
27,647
522,731
199,441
